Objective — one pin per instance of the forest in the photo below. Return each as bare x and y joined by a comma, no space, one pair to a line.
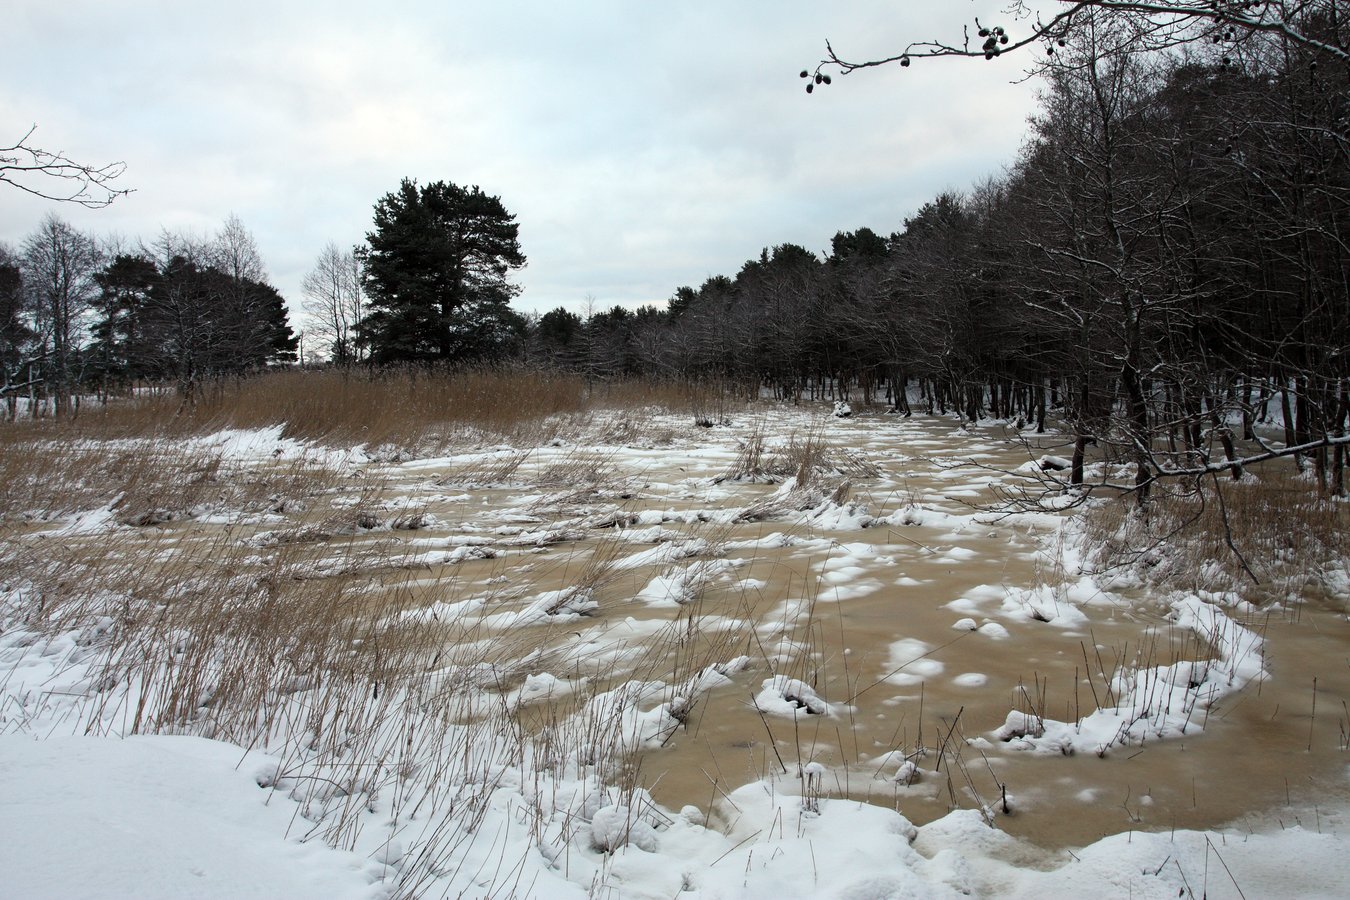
1167,256
77,317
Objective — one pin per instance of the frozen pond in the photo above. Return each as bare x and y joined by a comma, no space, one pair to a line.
880,633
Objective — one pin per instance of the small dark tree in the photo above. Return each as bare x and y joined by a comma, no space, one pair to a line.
608,340
199,322
124,290
557,338
436,274
16,338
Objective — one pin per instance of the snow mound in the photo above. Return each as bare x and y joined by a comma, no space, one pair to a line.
614,827
784,696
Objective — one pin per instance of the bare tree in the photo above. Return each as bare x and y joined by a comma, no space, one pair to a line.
252,314
235,252
55,176
335,302
59,264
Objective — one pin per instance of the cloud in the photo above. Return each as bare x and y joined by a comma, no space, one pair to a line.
642,147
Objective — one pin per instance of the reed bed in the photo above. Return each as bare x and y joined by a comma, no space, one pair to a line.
397,697
285,624
409,408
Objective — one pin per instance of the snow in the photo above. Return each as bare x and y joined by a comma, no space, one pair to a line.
1153,702
158,817
790,697
908,663
616,827
185,817
261,444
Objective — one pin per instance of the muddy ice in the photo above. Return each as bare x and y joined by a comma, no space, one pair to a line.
843,606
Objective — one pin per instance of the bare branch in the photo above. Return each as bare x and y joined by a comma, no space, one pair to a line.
55,176
1154,25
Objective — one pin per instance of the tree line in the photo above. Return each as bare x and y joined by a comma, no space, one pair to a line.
1168,255
78,316
1165,262
1166,258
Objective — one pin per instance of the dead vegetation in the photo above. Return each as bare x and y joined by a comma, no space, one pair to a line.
146,481
272,604
397,412
374,669
1269,535
805,458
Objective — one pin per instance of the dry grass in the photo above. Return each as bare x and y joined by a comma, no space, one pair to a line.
143,481
404,408
709,401
408,409
486,471
805,458
366,708
294,634
818,473
308,644
1271,532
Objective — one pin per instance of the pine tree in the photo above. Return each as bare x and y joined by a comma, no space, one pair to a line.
436,275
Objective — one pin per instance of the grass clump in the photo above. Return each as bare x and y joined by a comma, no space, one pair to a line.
805,458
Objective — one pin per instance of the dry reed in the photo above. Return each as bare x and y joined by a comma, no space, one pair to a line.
1269,535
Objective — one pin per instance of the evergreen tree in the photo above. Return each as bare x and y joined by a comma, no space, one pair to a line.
124,287
436,275
15,335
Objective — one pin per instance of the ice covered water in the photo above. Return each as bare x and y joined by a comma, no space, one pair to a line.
881,635
921,621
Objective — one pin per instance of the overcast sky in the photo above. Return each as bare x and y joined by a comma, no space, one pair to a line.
641,146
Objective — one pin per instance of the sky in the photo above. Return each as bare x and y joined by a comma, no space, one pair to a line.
641,146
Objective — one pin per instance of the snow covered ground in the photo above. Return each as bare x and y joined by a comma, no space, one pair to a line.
655,667
184,817
156,816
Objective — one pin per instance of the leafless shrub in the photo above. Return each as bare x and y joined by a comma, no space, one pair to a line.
1272,526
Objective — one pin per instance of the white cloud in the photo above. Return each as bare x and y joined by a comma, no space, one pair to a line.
642,147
